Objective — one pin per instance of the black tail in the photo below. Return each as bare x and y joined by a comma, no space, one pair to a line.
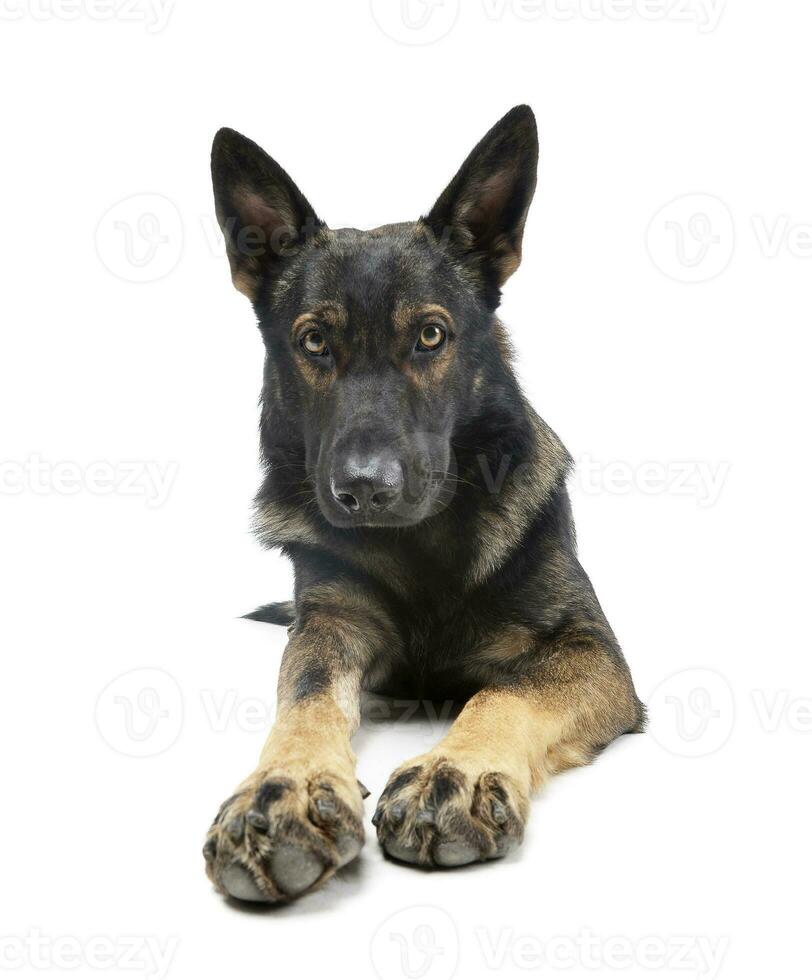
278,613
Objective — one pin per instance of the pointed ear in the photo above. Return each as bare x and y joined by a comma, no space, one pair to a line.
262,213
482,212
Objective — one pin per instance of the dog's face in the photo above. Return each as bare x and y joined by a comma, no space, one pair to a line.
376,340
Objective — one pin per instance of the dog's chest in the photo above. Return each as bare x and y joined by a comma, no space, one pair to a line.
436,655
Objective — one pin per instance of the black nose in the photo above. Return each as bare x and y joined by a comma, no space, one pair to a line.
369,485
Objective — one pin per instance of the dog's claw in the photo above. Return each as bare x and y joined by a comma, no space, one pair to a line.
377,816
326,807
257,820
236,829
364,791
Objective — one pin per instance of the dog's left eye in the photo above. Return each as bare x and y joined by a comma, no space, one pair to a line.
314,344
432,336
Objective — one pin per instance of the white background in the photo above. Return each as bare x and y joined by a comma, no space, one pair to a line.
667,347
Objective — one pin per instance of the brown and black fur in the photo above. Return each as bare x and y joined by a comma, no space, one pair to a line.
457,577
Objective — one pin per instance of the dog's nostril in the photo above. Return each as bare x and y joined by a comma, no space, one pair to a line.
365,486
348,501
381,499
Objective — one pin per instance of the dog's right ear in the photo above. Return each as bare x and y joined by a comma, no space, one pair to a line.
263,215
482,213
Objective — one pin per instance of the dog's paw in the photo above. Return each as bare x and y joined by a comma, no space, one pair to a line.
279,837
437,813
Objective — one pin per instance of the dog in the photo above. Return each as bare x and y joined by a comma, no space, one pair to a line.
423,504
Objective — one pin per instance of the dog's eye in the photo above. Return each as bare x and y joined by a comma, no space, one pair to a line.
431,337
314,343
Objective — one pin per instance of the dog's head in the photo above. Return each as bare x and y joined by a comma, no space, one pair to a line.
377,342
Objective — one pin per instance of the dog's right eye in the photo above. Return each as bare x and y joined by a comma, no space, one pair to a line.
314,344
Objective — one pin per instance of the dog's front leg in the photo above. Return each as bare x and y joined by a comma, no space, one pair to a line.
468,798
298,816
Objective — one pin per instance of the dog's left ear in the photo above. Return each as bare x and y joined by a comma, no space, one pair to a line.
482,212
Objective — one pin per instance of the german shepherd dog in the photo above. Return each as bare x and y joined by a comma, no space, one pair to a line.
423,504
